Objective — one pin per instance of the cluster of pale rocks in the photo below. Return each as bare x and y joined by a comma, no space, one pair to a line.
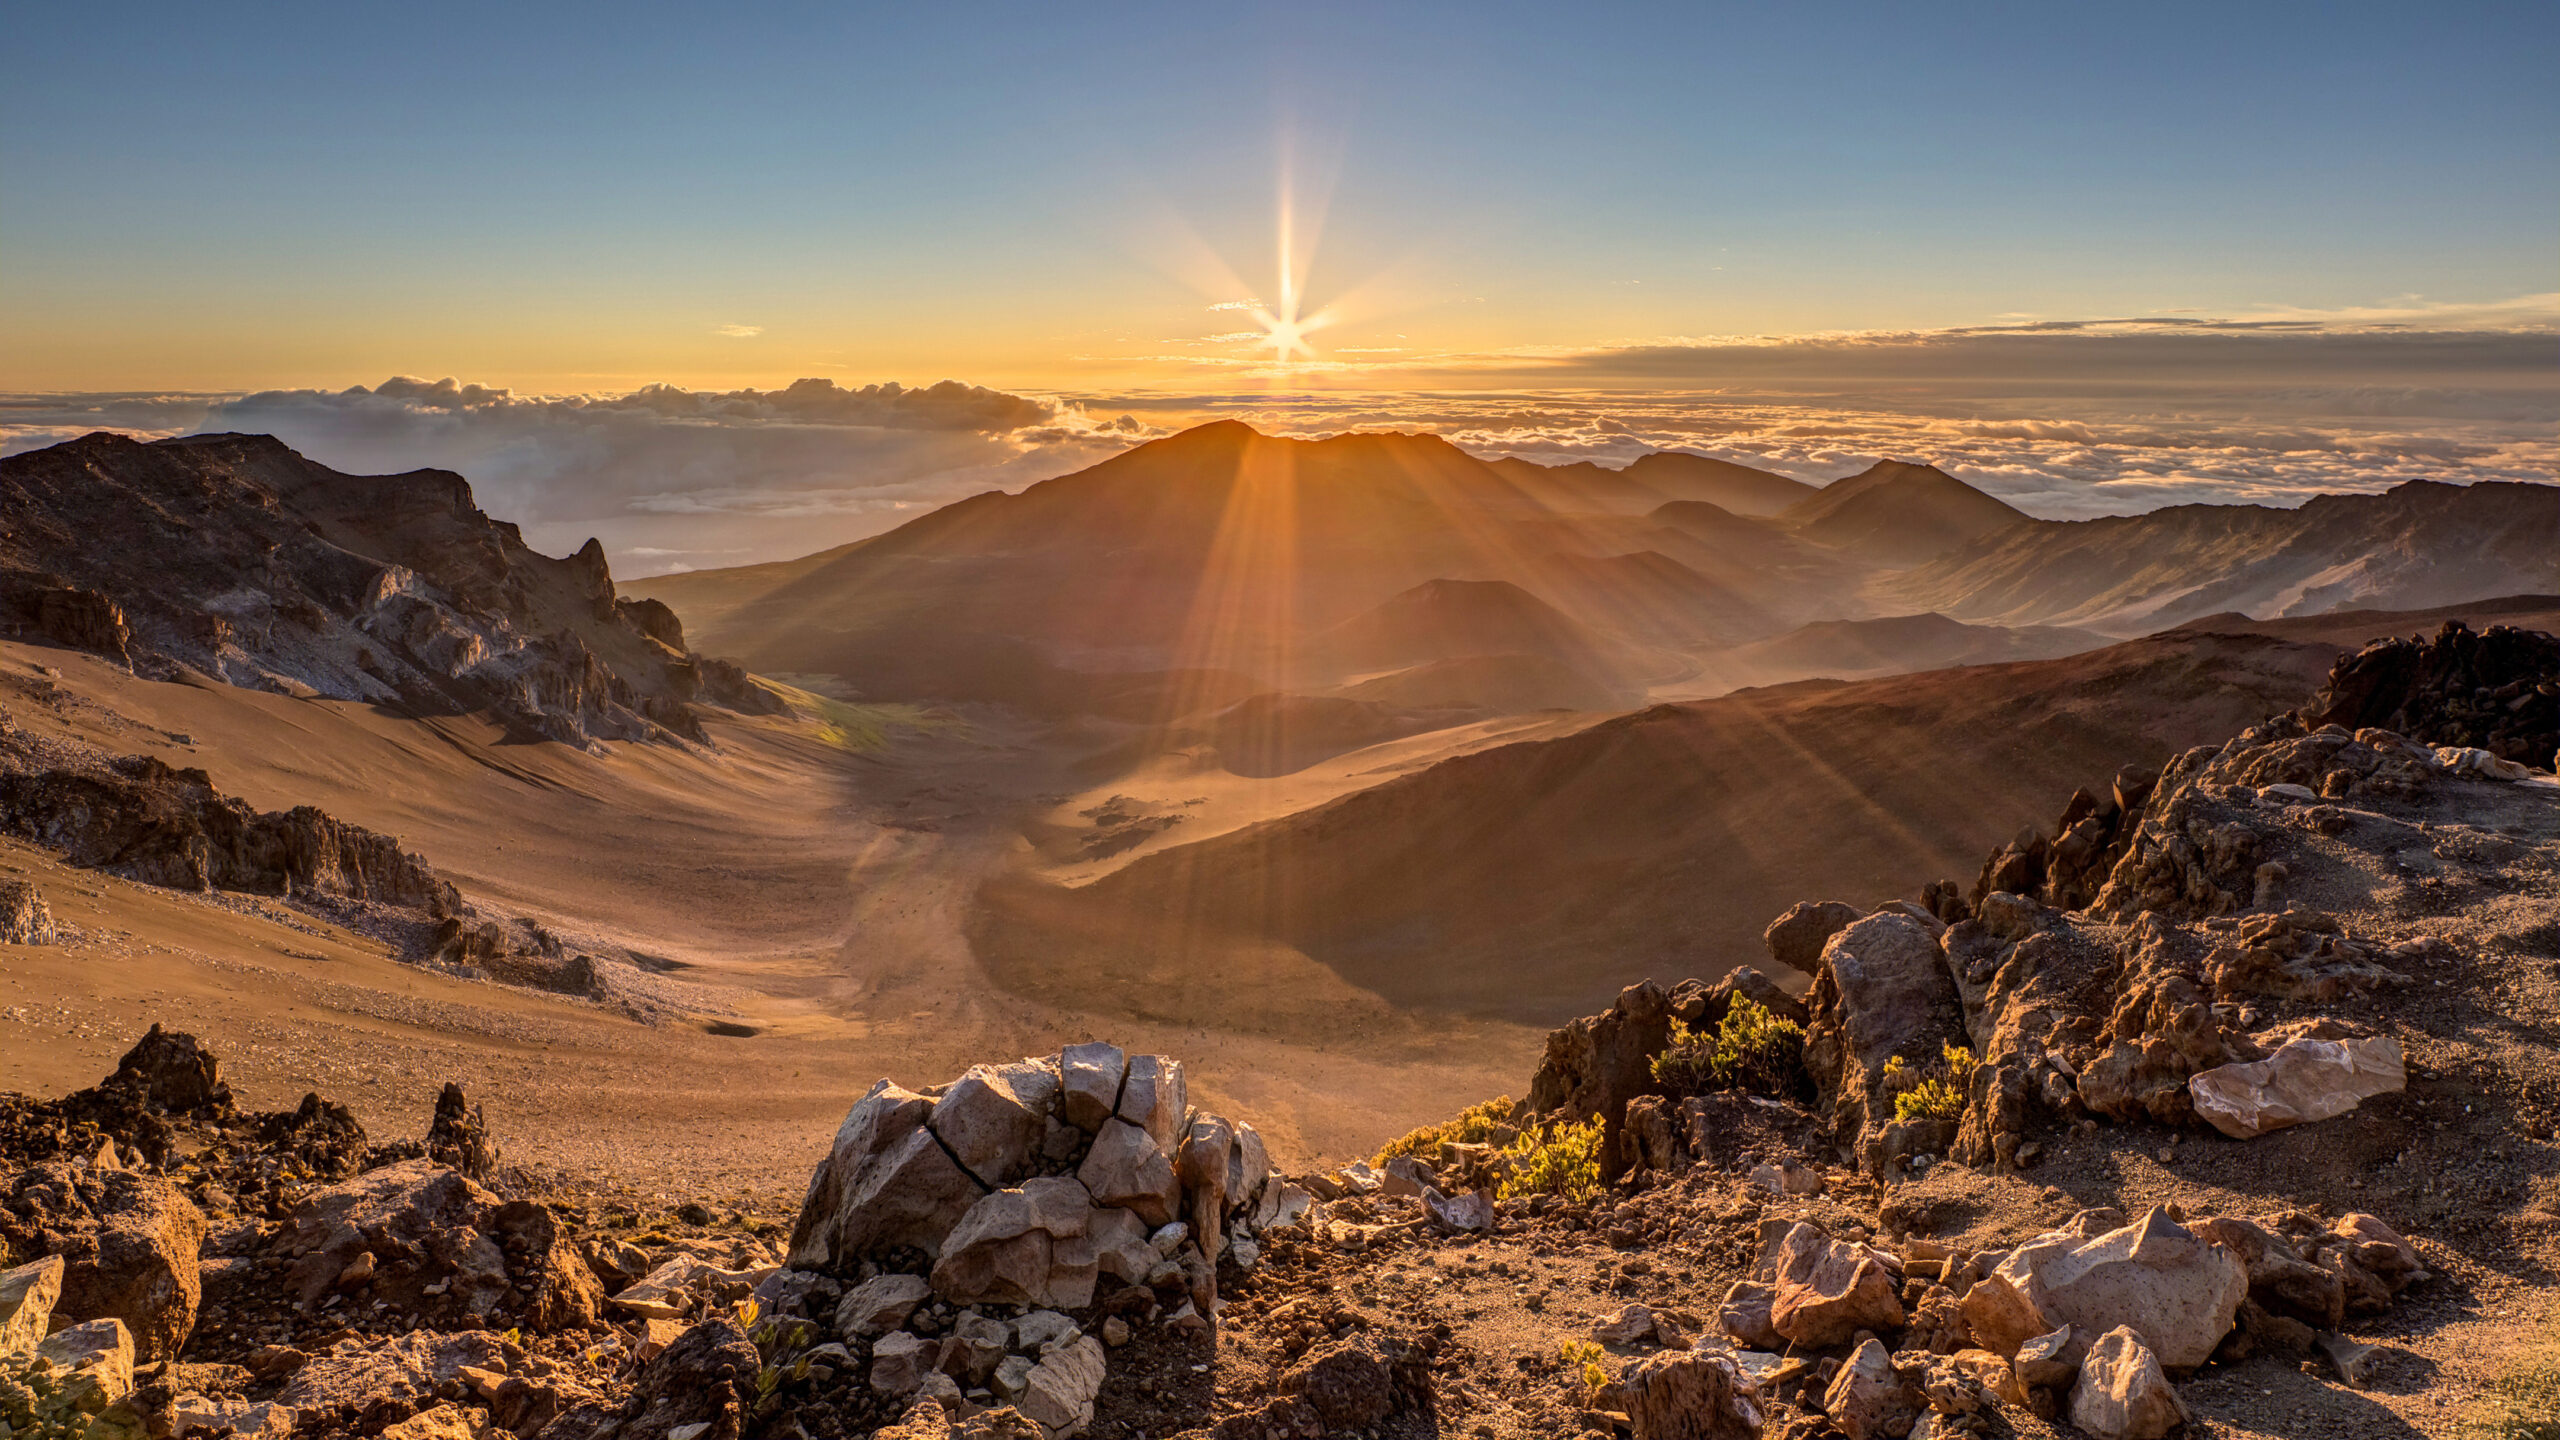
1015,1193
58,1383
2093,1320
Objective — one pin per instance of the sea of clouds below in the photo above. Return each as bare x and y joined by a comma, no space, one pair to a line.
675,480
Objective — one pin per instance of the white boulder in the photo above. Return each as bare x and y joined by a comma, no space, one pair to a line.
2303,1081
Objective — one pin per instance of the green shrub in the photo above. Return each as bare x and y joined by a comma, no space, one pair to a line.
1931,1099
1559,1160
1936,1093
1474,1126
1752,1050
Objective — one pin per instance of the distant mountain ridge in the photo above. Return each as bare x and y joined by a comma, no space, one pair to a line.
2418,545
1656,478
1902,643
1223,562
1899,513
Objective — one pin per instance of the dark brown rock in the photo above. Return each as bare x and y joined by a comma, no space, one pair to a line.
1796,938
707,1377
130,1244
1691,1395
442,1249
459,1135
1596,1064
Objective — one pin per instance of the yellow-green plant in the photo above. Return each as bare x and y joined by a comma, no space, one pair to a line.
1562,1159
1938,1093
1585,1356
1752,1050
2523,1403
1473,1126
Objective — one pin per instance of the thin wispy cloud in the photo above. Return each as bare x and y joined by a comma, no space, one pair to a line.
738,332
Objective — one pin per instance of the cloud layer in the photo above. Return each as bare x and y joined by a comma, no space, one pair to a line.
2057,463
672,479
2064,419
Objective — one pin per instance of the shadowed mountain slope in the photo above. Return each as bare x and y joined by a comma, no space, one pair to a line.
1455,619
1902,643
1535,879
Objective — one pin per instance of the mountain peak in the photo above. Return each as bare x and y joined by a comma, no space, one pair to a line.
1900,512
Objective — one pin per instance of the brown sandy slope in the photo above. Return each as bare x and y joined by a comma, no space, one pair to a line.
813,894
1532,881
1500,684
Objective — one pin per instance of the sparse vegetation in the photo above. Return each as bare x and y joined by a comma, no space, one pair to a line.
1475,1125
1582,1358
1562,1160
852,725
1935,1093
1751,1050
2523,1403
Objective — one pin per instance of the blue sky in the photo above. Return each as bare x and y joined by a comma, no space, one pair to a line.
587,197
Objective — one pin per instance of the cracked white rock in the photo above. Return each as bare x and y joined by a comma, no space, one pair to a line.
1059,1391
27,1297
2303,1081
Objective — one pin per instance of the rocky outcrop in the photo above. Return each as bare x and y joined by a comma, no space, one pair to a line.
1828,1290
1869,1399
128,1243
458,1137
1022,1185
1595,1065
236,557
1691,1395
2122,1394
24,917
1796,939
138,817
1366,1384
424,1239
2067,870
700,1387
1881,991
2496,690
28,1294
2179,1292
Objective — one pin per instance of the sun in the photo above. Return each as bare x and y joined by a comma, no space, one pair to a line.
1287,336
1283,328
